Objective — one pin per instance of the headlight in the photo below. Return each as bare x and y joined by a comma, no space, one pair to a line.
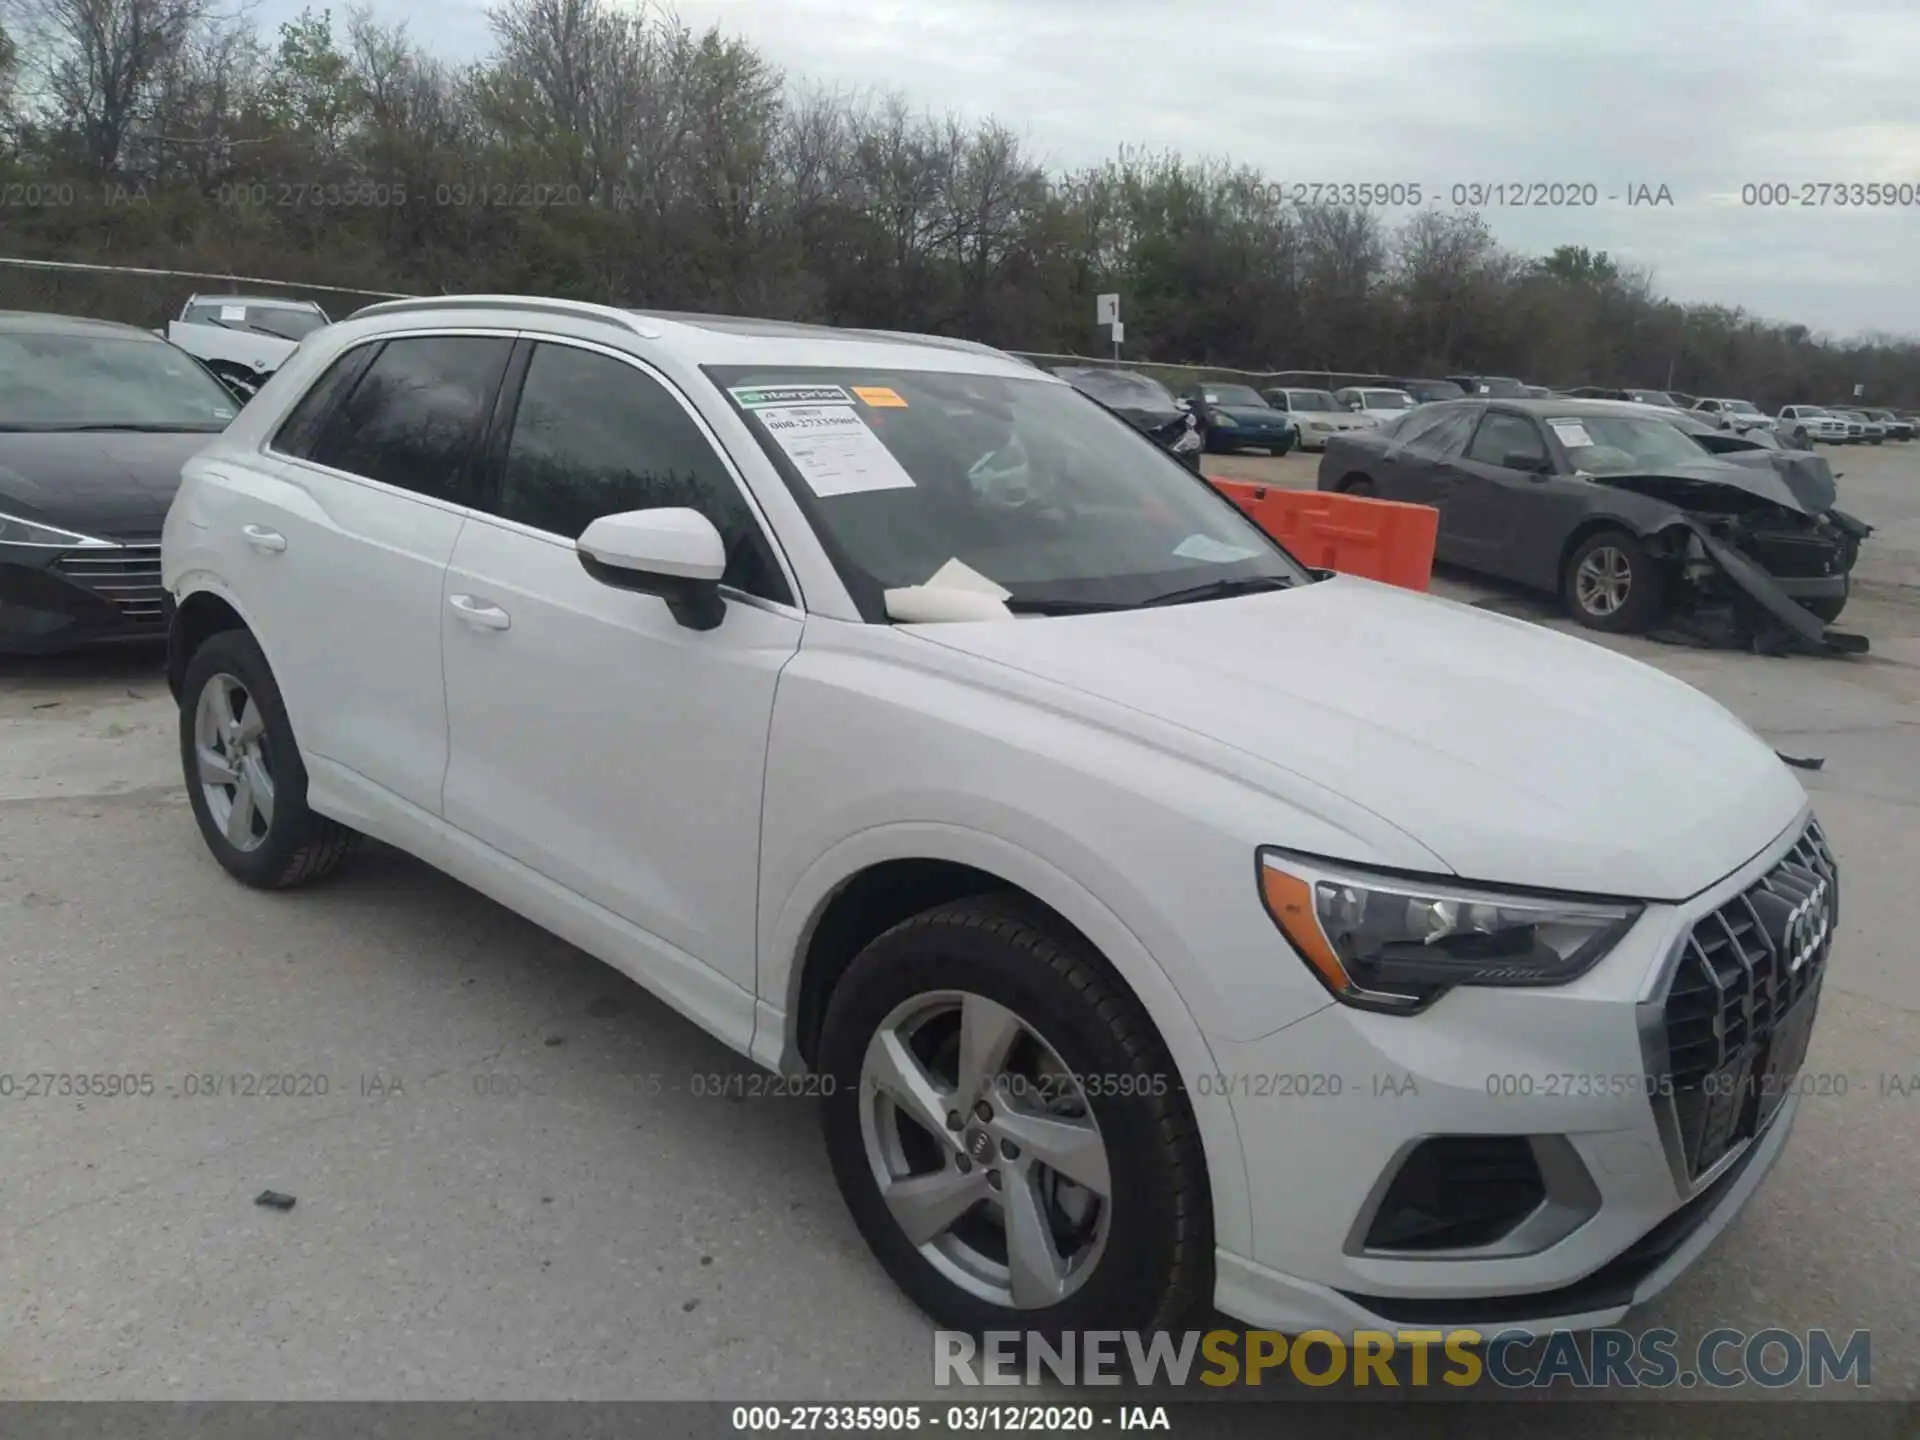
15,531
1389,943
1224,421
1189,440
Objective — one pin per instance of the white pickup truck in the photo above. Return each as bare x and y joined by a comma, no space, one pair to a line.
244,338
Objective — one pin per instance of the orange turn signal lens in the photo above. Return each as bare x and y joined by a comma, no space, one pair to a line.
1289,901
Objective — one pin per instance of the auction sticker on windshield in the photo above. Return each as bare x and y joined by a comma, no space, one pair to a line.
834,451
762,397
880,397
1571,433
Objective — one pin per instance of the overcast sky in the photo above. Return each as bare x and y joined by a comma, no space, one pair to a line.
1701,96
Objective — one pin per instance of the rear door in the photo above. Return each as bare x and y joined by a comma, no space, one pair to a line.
1417,460
342,543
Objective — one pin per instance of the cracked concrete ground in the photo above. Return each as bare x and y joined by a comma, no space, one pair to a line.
524,1180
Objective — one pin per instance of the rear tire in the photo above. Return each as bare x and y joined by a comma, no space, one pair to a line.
1612,583
244,775
1132,1248
1358,485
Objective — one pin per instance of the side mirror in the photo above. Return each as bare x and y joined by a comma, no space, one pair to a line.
673,553
1528,462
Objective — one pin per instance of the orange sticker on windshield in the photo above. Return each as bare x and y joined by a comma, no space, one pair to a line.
880,397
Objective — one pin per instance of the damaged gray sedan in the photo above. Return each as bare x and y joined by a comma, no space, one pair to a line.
1624,513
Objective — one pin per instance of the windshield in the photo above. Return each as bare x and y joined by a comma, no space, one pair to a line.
1385,400
1428,391
1502,388
1234,395
276,320
96,382
1117,387
1311,400
1621,445
1653,397
1024,481
1741,407
1809,412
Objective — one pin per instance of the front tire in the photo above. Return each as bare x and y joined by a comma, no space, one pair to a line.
1008,1130
245,778
1358,485
1612,583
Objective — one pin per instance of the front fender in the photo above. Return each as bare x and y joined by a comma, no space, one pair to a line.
788,925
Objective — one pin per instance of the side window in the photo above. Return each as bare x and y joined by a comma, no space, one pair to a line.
301,429
413,419
1501,436
1278,399
594,436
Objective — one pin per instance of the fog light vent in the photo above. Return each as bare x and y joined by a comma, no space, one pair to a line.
1456,1192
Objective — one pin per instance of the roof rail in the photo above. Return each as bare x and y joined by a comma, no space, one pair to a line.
577,309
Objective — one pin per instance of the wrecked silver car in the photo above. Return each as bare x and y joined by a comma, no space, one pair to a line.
1627,513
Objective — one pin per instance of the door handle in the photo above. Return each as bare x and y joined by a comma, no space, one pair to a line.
479,612
264,539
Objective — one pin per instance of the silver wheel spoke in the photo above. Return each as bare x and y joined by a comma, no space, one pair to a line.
220,705
259,787
1070,1147
927,1206
1037,1275
214,769
987,1032
252,725
240,817
897,1072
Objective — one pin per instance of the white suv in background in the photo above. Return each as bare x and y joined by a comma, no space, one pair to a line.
914,725
1737,415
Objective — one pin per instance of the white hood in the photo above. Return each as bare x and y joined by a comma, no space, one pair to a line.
1518,755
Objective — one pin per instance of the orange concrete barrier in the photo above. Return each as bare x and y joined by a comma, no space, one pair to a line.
1353,534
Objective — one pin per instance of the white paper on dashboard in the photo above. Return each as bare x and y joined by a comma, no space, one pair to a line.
1205,547
834,450
233,312
956,574
1572,433
937,604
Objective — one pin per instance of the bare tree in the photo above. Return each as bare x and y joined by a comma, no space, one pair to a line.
98,61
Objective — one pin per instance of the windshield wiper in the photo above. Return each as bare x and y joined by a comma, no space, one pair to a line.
1064,607
1222,590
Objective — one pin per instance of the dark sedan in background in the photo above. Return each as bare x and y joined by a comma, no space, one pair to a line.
96,420
1143,403
1499,387
1236,417
1615,506
1426,392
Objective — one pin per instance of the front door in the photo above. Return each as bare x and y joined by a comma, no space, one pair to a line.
594,738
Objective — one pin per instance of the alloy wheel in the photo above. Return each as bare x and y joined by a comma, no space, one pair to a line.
985,1150
1603,580
231,761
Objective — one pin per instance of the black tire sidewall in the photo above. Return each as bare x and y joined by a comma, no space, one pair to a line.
236,653
1130,1287
1645,591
